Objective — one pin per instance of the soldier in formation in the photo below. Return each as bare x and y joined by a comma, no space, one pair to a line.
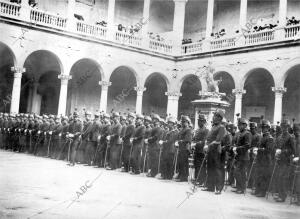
261,157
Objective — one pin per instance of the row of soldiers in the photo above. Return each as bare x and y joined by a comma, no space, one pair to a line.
265,160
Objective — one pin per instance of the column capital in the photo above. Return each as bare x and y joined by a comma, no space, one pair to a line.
17,71
64,77
183,1
279,90
104,84
238,91
173,94
137,88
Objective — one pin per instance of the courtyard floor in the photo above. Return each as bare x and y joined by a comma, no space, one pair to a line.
37,187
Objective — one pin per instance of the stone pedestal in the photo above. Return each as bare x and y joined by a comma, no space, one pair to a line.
208,103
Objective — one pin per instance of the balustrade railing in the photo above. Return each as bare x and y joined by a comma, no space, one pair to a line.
92,30
127,38
292,31
9,9
259,37
191,48
160,46
48,19
223,43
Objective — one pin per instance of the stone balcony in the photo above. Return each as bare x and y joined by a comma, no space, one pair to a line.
41,19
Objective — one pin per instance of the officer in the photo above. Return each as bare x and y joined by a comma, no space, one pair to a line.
199,143
284,154
147,123
65,150
127,145
123,122
137,144
168,154
184,145
102,154
153,147
255,141
86,133
263,160
115,142
242,156
56,137
226,144
213,149
75,133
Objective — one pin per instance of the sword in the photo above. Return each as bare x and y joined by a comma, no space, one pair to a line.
48,149
267,193
231,167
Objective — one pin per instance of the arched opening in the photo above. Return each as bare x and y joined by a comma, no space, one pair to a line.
225,86
121,93
189,90
6,77
291,99
40,84
84,91
259,98
154,99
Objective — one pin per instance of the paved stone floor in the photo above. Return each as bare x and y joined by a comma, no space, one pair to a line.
36,187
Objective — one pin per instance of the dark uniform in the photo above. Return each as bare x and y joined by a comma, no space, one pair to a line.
184,140
200,138
287,150
127,146
263,161
137,145
153,149
214,166
76,130
115,143
242,157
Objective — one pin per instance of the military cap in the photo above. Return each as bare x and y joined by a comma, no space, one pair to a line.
243,121
186,118
132,115
122,117
96,114
75,114
201,117
171,119
219,113
148,118
115,114
87,113
155,116
253,125
106,115
31,116
45,116
285,122
265,123
139,116
51,116
65,118
5,114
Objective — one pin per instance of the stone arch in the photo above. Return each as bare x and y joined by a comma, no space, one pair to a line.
154,99
259,98
190,85
84,91
284,70
121,92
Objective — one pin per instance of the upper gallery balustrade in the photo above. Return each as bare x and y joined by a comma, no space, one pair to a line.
134,38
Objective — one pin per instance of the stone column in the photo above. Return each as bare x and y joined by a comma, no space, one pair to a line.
30,98
111,19
243,14
16,90
139,99
282,12
238,102
209,25
210,18
63,95
279,31
178,24
279,91
25,11
172,107
145,23
71,20
104,91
